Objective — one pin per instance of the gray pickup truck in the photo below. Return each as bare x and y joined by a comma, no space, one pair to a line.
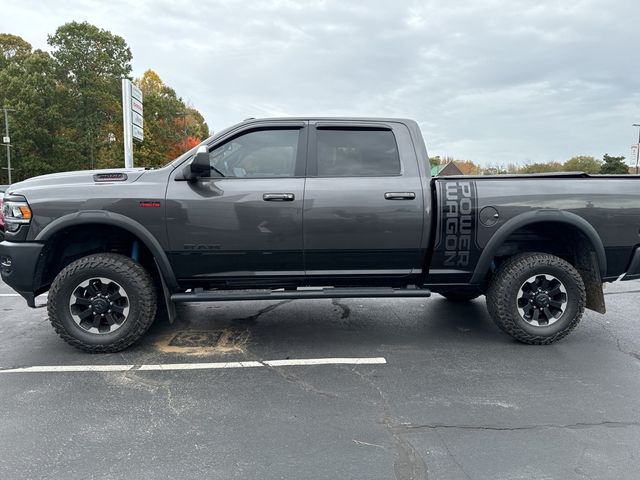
314,208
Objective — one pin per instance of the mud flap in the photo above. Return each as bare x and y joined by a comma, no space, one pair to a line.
170,305
590,273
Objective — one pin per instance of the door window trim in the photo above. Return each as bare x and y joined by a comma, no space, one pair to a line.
300,161
312,146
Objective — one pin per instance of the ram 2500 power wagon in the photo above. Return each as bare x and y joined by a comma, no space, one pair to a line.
314,208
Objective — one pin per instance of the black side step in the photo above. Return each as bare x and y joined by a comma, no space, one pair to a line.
199,295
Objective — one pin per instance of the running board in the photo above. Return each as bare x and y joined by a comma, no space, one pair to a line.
199,295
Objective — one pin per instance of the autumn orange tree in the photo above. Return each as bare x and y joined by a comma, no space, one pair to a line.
467,167
171,127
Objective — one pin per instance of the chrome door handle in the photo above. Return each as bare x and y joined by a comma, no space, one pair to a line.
278,197
399,196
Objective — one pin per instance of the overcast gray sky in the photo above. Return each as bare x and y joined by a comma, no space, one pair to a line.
492,81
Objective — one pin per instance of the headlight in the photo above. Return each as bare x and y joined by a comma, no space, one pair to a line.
15,214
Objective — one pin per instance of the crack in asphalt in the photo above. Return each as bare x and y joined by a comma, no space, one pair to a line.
408,464
267,309
304,385
618,340
407,428
453,457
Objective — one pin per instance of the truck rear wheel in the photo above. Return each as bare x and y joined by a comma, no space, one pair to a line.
102,303
537,298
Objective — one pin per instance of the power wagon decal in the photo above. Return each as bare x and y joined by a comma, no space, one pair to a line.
456,246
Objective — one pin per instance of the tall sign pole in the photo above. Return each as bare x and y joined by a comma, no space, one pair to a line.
126,123
638,147
7,140
132,119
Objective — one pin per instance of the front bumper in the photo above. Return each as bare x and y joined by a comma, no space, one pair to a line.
18,264
633,271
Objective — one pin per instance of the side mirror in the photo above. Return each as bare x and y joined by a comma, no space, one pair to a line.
199,166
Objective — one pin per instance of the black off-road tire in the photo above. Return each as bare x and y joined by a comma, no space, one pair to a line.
460,296
502,296
135,280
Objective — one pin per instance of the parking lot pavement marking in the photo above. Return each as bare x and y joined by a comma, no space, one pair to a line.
199,366
326,361
44,295
195,366
69,368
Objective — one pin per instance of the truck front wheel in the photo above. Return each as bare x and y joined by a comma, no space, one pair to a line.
102,303
537,298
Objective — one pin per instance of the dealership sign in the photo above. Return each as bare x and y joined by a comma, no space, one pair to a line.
132,118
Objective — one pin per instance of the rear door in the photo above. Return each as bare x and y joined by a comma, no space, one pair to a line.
363,209
246,225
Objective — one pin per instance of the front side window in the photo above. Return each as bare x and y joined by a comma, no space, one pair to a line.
260,153
357,152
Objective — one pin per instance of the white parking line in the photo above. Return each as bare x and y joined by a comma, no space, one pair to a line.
195,366
199,366
326,361
44,295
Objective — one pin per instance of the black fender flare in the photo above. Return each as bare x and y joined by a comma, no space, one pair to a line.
117,220
538,216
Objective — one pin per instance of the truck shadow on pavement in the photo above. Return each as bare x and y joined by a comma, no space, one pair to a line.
319,327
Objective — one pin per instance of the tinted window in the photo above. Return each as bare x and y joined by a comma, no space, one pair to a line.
357,153
261,153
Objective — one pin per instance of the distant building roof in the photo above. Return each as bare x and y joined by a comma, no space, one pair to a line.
443,170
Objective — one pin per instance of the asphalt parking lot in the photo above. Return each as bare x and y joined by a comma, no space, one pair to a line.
455,399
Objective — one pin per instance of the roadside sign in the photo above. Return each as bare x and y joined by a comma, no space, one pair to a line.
137,119
6,140
136,106
136,93
137,132
634,152
132,118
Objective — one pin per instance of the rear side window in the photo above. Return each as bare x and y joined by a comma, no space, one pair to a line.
357,152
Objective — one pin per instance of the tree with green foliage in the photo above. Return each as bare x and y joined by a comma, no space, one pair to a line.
28,86
613,165
12,47
583,163
89,64
549,167
434,161
66,106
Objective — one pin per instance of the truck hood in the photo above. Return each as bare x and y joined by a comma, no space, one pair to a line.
108,176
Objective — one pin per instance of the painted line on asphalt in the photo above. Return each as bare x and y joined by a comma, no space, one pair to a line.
326,361
18,295
195,366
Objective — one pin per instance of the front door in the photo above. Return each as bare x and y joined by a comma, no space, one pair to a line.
245,221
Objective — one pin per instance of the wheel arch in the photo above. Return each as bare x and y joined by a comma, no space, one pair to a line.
591,263
106,218
531,218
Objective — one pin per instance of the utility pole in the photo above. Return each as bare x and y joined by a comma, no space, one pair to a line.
7,139
638,146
